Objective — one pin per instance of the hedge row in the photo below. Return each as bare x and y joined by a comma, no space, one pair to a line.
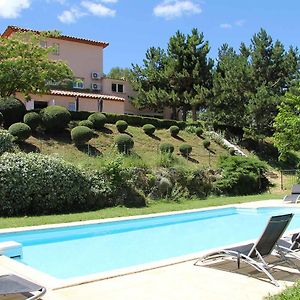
132,120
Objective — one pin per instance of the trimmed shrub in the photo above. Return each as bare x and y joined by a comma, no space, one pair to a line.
1,118
232,151
20,131
124,143
32,119
6,142
86,123
149,129
241,176
174,130
98,120
185,149
55,118
33,184
81,135
166,148
121,126
12,109
199,131
206,144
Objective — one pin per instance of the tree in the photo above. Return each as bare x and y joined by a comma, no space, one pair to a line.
287,123
179,78
119,73
25,66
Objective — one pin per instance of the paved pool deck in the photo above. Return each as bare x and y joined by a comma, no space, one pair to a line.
222,280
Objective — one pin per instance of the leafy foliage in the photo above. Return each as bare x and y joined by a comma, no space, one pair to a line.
174,130
32,119
124,143
119,73
81,135
199,131
55,118
98,120
206,143
166,148
86,123
12,110
185,150
242,176
20,131
149,129
121,126
6,142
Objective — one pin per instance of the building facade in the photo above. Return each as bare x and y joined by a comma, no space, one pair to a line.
91,90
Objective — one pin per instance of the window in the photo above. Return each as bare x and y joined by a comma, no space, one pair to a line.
78,84
72,106
117,87
40,104
55,49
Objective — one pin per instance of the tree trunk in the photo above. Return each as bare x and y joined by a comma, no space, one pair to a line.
194,113
184,113
174,113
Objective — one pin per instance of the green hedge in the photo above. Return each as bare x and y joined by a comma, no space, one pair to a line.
55,118
132,120
81,135
20,131
6,142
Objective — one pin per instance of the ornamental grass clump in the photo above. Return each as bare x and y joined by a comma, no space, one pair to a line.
35,184
20,131
149,129
98,119
124,143
121,126
80,135
33,120
6,142
55,118
174,130
185,150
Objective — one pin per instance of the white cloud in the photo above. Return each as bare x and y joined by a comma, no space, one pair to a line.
109,1
98,9
239,22
71,16
170,9
11,9
226,26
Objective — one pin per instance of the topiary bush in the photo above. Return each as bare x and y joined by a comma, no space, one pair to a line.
121,126
98,119
206,144
199,131
20,131
174,130
6,142
86,123
12,109
124,143
232,151
241,176
185,150
32,184
32,119
55,118
149,129
81,135
166,148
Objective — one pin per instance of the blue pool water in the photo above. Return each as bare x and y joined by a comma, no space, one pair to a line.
69,252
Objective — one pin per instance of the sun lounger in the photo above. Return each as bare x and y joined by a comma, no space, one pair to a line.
294,197
254,253
13,284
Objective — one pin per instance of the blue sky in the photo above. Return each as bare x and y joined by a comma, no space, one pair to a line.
132,26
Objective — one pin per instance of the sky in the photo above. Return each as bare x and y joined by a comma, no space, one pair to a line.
132,26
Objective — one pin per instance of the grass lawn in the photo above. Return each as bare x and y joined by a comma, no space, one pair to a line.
291,293
153,207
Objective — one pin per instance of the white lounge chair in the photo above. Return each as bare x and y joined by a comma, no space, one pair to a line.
254,253
12,284
294,197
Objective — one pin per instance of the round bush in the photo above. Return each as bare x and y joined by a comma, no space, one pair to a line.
124,143
12,109
121,125
232,151
149,129
32,184
174,130
32,119
166,148
185,149
81,135
6,142
20,131
98,120
86,123
199,131
55,118
206,144
1,118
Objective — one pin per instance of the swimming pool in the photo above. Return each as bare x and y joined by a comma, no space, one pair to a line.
75,251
